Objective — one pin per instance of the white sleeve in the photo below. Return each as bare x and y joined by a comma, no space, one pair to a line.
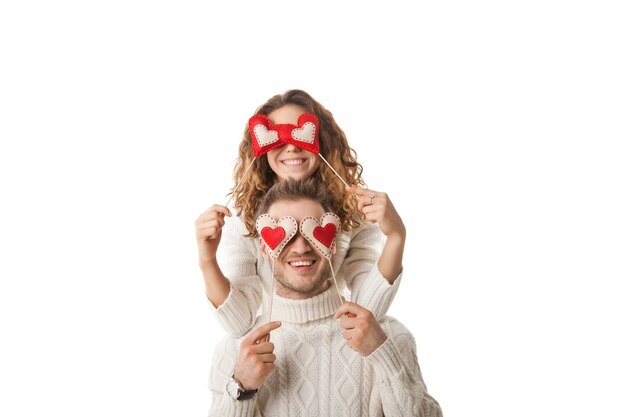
398,385
368,287
237,258
222,405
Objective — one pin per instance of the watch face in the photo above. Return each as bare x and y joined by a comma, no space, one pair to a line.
232,388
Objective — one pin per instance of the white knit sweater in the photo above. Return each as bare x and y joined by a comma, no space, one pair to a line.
317,374
355,263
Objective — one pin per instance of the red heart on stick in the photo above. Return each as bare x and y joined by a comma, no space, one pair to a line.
325,234
272,237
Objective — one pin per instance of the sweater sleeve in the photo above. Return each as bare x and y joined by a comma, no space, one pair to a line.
368,287
398,384
222,405
238,261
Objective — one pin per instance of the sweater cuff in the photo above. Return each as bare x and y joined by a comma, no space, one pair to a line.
385,360
232,314
375,292
236,408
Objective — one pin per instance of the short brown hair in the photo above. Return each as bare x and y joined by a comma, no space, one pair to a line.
293,190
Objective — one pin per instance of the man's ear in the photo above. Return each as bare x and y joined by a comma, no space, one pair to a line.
263,249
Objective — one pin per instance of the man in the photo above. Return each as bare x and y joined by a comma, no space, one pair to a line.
325,358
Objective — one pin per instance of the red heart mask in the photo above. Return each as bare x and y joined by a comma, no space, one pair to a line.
267,136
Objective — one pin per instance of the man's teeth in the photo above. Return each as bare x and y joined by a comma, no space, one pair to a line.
293,161
301,263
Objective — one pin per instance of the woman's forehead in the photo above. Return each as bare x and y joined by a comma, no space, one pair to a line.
287,114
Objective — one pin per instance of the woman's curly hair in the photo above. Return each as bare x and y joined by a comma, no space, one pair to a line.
333,147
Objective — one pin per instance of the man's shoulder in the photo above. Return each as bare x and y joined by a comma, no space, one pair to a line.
394,327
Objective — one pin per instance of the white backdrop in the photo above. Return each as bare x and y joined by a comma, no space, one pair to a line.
497,128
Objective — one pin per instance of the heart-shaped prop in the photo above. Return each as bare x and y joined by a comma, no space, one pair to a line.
276,235
263,134
267,136
305,135
321,234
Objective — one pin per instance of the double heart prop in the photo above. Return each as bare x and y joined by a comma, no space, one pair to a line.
267,136
320,234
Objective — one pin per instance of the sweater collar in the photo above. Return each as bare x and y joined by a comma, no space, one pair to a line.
301,311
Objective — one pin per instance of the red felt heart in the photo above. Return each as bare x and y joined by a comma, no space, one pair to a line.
305,135
272,237
264,135
326,234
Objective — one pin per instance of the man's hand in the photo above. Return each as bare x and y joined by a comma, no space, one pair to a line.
256,358
360,328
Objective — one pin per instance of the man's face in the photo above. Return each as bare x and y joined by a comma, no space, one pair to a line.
300,271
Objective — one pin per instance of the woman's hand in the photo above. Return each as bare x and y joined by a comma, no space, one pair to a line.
209,231
377,208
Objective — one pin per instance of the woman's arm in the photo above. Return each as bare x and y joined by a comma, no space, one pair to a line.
372,274
378,208
229,267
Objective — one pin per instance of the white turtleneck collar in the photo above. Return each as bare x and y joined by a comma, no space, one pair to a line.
301,311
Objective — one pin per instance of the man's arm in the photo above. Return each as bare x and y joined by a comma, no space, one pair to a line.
398,378
251,365
390,350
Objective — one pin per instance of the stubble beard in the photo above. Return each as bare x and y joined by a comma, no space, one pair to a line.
286,287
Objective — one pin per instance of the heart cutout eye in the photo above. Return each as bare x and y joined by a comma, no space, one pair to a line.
326,234
304,134
276,235
321,234
263,134
272,237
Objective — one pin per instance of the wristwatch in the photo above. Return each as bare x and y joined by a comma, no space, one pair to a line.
236,392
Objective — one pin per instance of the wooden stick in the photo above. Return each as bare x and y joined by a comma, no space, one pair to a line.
239,183
335,279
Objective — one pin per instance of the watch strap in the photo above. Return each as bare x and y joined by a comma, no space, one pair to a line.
246,395
243,394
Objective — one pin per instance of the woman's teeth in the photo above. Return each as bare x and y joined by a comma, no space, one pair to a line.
293,161
301,263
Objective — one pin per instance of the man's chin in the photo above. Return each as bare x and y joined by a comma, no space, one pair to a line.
302,289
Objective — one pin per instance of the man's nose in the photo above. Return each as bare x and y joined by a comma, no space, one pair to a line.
300,244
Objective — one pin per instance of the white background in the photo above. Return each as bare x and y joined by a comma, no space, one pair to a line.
497,128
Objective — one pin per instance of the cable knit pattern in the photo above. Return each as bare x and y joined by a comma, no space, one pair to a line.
241,261
317,374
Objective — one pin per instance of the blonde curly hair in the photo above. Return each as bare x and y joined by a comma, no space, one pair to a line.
333,147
